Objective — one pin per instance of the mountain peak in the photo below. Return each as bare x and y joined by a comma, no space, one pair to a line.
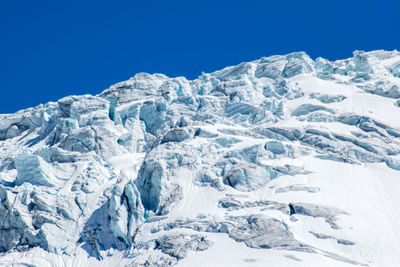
282,159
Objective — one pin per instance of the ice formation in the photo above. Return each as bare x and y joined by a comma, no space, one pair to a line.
282,161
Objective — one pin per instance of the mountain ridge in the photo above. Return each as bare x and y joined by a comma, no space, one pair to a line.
163,171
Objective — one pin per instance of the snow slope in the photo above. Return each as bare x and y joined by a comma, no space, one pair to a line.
282,161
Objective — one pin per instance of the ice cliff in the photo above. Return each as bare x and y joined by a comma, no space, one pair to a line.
282,161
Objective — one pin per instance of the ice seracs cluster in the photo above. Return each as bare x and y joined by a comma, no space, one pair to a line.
297,157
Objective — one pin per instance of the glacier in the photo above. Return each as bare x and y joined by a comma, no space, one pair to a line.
282,161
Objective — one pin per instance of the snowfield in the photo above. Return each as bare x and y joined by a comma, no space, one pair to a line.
282,161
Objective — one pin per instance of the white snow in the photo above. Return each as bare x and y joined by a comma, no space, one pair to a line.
283,161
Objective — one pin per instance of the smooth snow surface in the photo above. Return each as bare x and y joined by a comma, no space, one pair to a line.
283,161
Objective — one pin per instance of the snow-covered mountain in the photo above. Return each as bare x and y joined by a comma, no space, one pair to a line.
282,161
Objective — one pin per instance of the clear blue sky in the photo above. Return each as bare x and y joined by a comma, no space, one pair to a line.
51,49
